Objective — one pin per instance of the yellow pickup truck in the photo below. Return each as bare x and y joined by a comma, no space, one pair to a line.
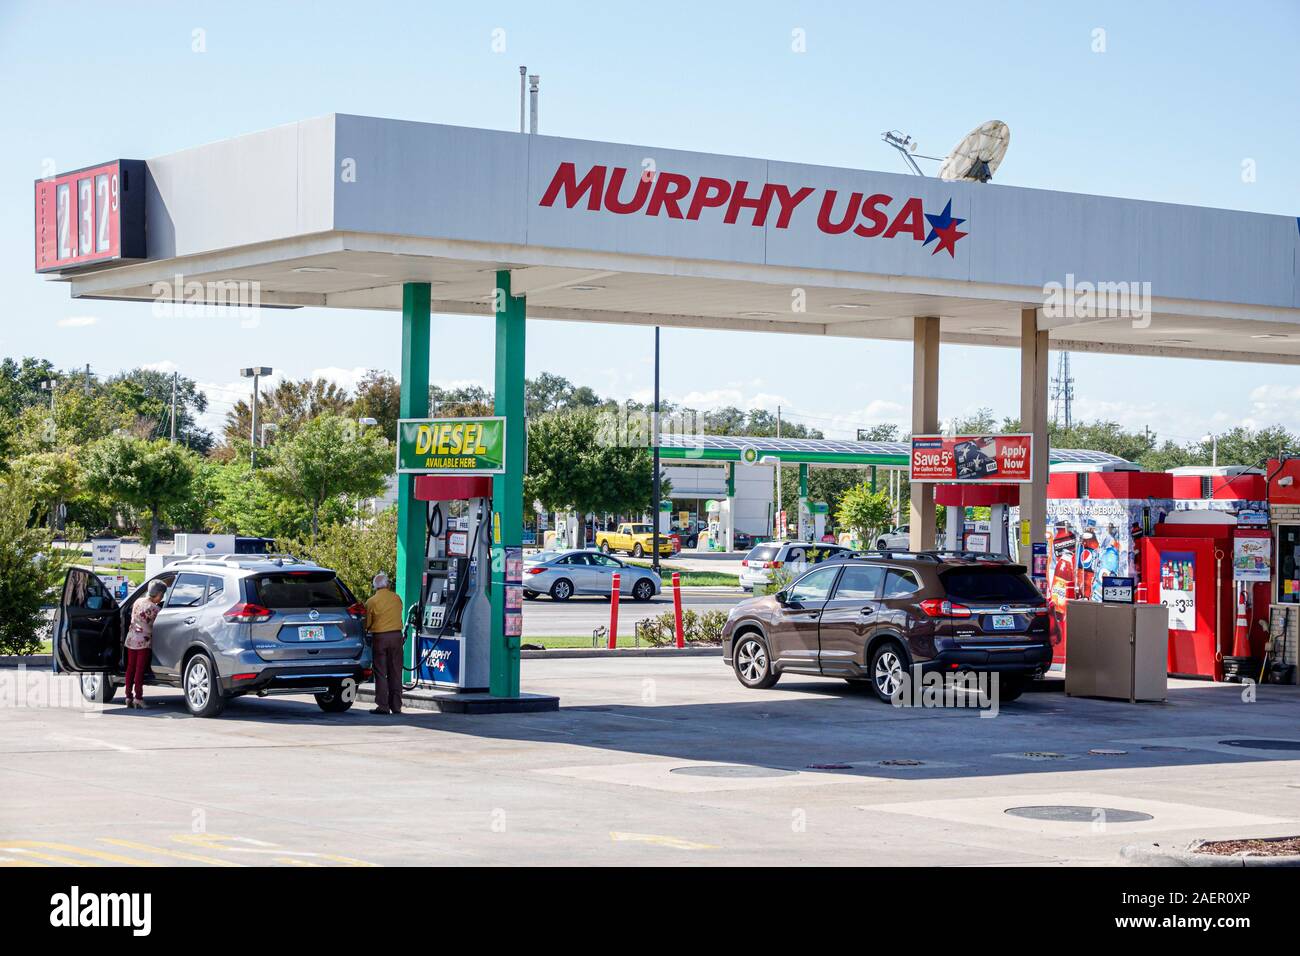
635,539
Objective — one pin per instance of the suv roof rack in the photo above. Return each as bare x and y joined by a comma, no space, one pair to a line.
944,554
244,560
898,554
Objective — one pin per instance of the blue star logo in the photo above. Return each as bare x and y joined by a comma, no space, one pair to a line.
944,228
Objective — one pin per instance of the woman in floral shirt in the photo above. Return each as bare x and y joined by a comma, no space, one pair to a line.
139,643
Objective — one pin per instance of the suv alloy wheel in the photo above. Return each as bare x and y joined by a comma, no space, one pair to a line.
752,664
887,671
202,692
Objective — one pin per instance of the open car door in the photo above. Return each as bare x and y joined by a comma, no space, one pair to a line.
87,626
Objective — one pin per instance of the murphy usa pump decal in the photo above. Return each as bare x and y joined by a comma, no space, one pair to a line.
625,192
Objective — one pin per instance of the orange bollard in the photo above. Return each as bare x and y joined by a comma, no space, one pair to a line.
677,609
613,613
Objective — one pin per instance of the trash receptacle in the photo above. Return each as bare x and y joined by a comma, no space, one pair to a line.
1119,651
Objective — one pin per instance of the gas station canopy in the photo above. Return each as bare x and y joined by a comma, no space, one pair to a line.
341,211
831,453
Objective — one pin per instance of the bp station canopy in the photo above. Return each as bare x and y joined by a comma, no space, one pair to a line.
711,449
340,211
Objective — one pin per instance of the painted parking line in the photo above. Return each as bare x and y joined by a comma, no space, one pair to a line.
236,844
171,854
655,839
39,848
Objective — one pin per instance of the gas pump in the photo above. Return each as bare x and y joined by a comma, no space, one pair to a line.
720,524
812,519
450,629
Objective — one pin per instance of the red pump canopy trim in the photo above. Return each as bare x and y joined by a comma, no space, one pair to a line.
452,487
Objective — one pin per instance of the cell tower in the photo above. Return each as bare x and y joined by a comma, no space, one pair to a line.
1062,393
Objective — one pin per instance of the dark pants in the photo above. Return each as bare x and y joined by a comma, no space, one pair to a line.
388,671
137,661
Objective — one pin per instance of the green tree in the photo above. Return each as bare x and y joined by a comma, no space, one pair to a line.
465,401
864,512
327,457
572,467
288,406
356,551
55,478
552,393
30,566
146,394
151,475
242,503
379,396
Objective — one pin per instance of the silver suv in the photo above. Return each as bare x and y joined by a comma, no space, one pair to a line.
228,625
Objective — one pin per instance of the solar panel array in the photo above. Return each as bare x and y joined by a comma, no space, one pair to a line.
822,446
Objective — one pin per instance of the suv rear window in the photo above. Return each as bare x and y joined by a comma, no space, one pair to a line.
989,584
294,589
764,552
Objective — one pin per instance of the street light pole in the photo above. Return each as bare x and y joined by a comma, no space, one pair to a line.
255,373
658,488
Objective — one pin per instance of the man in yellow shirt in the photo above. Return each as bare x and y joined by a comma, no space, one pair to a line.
384,622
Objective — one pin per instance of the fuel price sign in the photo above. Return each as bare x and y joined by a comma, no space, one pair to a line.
90,216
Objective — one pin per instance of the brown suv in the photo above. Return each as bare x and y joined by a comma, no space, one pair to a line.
873,618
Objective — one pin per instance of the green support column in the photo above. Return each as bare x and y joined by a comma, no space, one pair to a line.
507,489
873,479
803,481
414,403
731,479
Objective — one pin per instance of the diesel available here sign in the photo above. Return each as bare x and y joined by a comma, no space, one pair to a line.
451,446
981,458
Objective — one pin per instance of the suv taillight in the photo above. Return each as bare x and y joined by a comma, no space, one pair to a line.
357,610
245,613
934,607
775,564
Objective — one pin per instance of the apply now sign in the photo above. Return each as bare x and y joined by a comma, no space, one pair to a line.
451,446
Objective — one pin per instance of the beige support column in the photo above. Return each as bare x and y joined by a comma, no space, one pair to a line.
925,420
1033,419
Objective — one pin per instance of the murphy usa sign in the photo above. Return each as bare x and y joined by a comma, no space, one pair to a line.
737,202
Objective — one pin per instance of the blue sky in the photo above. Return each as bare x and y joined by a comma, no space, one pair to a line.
1182,94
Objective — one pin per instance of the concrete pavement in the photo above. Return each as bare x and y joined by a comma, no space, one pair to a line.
649,761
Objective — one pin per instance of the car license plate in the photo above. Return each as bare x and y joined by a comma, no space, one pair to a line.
311,632
1004,622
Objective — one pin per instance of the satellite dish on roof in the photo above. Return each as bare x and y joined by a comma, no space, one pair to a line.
977,156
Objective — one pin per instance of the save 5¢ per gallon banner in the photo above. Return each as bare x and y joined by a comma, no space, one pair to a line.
972,458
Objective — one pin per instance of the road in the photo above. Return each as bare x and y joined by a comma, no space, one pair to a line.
578,616
649,761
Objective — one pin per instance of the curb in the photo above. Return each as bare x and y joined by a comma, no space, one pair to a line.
1153,854
560,653
31,661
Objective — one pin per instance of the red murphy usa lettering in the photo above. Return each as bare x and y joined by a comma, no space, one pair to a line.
627,192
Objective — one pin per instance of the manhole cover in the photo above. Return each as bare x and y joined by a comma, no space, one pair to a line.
901,762
1065,814
830,766
1166,749
1263,744
1106,752
726,770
